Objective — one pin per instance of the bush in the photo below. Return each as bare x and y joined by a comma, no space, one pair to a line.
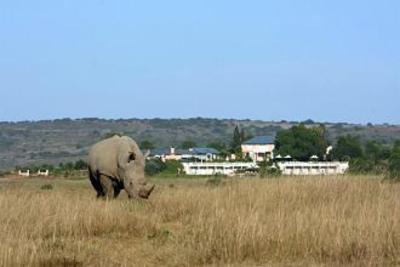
215,181
348,147
273,172
394,163
361,166
80,165
46,187
154,166
4,173
158,167
172,167
267,169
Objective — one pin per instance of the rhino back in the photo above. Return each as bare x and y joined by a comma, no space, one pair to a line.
133,147
103,156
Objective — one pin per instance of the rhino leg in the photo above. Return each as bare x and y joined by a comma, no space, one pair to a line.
94,179
117,190
110,190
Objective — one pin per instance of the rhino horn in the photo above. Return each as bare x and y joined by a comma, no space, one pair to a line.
146,191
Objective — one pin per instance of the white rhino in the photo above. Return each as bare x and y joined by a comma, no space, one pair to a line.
117,163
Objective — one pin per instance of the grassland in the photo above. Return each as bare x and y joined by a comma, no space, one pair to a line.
352,221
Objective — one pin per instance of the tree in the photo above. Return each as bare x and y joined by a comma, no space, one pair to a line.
80,165
394,162
236,145
361,165
154,166
221,147
373,159
172,167
188,144
146,144
217,145
301,142
69,165
243,136
45,166
348,147
374,151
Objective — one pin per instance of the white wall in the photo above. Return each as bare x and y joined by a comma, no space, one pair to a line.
254,150
313,167
211,168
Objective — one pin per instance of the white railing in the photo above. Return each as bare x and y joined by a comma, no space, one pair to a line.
212,168
43,173
313,167
24,173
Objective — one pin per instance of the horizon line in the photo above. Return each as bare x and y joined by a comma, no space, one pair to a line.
309,120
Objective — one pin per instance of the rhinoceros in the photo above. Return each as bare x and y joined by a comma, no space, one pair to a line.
117,163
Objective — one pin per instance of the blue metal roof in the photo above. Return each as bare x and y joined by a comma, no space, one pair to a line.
204,151
159,151
193,151
260,140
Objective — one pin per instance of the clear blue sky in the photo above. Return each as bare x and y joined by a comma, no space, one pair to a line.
325,60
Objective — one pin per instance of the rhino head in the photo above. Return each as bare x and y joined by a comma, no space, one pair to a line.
131,164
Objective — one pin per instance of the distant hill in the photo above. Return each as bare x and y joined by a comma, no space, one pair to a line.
54,141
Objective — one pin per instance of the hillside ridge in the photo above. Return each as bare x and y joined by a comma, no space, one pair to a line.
54,141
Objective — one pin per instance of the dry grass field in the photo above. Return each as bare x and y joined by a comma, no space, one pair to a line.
353,221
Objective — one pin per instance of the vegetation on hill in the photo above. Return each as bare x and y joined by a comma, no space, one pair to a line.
394,162
64,140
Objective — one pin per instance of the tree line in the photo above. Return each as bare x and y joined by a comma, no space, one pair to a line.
63,168
301,142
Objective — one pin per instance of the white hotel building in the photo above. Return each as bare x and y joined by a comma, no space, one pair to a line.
212,168
313,167
259,148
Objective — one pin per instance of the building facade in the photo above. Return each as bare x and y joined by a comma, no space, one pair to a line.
213,168
313,167
192,154
259,148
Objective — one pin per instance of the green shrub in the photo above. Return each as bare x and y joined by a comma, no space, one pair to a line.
154,166
394,163
273,172
172,167
361,166
46,187
267,169
215,181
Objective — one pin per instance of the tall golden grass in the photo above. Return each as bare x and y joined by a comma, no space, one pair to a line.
290,221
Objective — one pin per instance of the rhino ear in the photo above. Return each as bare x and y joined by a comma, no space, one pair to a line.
131,157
